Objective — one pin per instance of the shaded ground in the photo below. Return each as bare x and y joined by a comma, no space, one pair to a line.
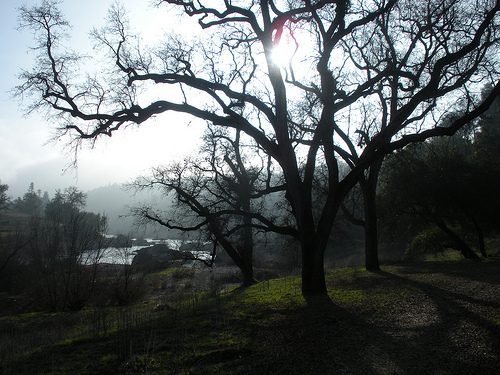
427,318
420,318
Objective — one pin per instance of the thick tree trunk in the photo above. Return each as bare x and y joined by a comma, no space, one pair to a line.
247,254
313,272
248,276
242,257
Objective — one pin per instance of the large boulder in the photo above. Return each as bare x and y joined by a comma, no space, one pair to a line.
158,256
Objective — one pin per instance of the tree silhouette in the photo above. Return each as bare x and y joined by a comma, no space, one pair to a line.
220,191
64,251
31,203
411,60
4,198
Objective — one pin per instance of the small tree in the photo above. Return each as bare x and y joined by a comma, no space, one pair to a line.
65,250
221,192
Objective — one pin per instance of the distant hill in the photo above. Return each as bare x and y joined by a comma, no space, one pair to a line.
115,201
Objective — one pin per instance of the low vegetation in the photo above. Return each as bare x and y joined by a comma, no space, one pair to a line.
427,317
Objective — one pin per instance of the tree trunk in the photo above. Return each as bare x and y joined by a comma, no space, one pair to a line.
369,189
247,266
370,229
246,253
248,276
457,242
313,272
241,256
480,237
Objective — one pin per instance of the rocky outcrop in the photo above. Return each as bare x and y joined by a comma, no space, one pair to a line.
159,256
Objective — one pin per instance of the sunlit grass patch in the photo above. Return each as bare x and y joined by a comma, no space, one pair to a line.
446,256
344,288
367,298
274,292
349,296
178,272
348,274
342,272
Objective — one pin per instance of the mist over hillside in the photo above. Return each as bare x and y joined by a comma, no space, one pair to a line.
115,201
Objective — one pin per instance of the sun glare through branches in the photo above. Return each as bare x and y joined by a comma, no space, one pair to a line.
285,48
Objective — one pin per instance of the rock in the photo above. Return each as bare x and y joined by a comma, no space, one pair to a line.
158,256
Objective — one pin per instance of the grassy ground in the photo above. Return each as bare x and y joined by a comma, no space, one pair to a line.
418,318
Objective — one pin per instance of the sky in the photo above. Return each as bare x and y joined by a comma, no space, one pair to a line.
25,152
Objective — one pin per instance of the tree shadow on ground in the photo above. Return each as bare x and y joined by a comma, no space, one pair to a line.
440,329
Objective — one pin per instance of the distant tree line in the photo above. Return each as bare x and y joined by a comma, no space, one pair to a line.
50,250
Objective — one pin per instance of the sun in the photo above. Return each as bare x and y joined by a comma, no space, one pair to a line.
284,50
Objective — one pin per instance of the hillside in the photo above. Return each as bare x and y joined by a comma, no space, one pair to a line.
418,318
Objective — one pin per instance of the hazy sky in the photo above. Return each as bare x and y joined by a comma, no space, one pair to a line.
25,155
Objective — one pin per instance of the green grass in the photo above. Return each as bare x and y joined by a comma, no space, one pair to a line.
194,338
